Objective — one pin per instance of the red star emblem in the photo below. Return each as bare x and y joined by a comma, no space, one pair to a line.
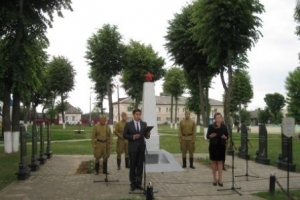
149,77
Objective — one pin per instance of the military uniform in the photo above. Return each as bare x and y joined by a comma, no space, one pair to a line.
102,140
187,138
122,144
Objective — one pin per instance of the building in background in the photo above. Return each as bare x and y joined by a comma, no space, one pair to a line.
163,108
72,116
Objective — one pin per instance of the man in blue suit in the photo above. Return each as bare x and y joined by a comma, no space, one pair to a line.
134,133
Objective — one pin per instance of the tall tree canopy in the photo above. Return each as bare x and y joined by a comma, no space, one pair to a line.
106,56
227,29
61,80
275,102
292,85
188,53
174,85
141,59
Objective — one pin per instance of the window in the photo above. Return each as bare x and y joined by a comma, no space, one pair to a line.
168,119
158,119
167,109
129,109
73,118
158,109
66,118
183,109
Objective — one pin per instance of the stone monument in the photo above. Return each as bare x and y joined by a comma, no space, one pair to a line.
157,160
243,150
285,159
262,152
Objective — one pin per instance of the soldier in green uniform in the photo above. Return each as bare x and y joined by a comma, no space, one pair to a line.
122,144
102,142
187,138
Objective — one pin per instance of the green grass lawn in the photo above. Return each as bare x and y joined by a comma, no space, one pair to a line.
168,141
279,195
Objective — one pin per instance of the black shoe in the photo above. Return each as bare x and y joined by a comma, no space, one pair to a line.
214,183
192,163
183,162
220,184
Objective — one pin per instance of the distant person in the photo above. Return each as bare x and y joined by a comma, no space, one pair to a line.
217,134
122,144
187,138
134,133
102,142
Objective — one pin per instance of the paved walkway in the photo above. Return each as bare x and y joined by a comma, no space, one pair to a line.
57,180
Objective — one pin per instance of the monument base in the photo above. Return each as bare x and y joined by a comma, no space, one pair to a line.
153,142
42,160
34,166
23,173
243,155
161,161
284,166
48,154
263,161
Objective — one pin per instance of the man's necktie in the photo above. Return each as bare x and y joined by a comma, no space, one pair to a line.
137,127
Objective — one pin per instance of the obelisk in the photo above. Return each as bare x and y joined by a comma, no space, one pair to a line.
149,112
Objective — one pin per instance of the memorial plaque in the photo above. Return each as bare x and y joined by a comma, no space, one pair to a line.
262,152
243,150
288,124
285,159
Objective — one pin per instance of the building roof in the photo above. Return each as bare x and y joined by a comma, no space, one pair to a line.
72,110
166,100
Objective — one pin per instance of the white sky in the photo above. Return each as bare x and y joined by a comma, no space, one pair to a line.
146,21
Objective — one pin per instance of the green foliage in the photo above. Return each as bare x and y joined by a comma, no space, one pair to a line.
227,29
106,56
245,116
174,82
264,116
187,52
275,102
141,59
292,85
297,17
242,89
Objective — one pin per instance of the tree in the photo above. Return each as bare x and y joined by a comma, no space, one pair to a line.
242,91
174,85
140,59
188,53
192,104
275,102
23,26
292,85
264,116
297,17
106,56
227,30
61,81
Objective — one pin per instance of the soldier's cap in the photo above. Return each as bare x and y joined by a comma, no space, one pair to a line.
123,113
103,116
187,112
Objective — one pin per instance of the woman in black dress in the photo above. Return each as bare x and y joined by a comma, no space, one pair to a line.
217,134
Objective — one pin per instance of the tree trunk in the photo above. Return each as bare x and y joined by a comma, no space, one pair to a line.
198,119
203,102
63,111
16,121
110,103
171,114
176,100
7,118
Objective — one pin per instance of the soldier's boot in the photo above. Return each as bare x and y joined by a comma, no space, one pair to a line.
183,162
127,162
192,163
97,168
105,167
119,163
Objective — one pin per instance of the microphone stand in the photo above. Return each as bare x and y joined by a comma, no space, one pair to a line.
233,188
247,162
106,173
